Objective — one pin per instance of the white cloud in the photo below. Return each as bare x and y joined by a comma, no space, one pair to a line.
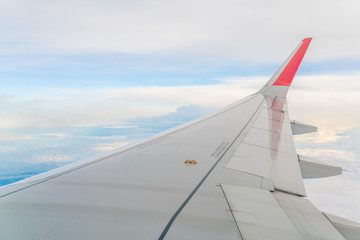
221,30
58,135
328,154
103,147
323,135
50,158
79,107
337,195
15,137
8,148
329,102
120,127
20,137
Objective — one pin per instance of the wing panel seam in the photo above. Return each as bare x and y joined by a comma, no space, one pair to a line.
232,213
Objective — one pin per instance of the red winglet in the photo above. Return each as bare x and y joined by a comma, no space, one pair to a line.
287,75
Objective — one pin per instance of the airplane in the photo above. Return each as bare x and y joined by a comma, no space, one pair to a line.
233,174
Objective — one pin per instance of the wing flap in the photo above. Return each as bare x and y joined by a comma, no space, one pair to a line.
258,214
261,214
311,168
308,220
301,128
349,229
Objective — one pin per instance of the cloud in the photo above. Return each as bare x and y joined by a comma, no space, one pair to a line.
315,99
14,137
117,127
8,149
58,135
323,135
50,158
326,100
103,147
79,107
208,28
337,195
343,148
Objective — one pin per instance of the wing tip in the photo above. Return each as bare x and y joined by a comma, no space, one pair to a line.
286,76
307,41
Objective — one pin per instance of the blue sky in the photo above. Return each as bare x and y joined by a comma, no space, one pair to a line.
82,77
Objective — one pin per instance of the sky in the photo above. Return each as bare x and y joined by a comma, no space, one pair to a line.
82,77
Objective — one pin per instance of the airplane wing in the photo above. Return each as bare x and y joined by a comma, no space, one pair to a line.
234,174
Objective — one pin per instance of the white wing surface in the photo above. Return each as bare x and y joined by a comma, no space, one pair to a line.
231,175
